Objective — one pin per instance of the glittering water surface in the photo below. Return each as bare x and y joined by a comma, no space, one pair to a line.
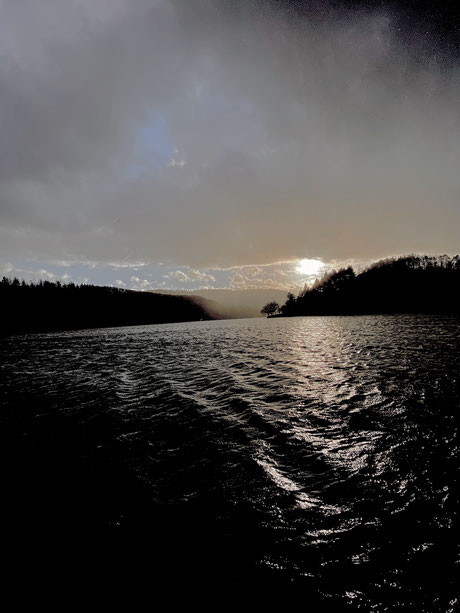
321,452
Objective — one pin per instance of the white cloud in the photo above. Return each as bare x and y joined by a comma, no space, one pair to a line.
135,265
197,275
268,277
140,284
178,275
190,276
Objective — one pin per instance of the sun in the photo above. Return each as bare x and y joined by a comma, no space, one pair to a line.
308,267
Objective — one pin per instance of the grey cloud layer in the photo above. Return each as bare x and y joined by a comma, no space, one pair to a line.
291,140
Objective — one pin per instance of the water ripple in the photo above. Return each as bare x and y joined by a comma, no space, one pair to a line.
326,448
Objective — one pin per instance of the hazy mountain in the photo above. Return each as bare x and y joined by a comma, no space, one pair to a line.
232,303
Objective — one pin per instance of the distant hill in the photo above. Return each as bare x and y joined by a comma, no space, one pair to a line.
231,303
54,306
409,284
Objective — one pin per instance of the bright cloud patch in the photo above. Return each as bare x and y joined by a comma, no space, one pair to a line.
190,276
290,276
309,267
140,284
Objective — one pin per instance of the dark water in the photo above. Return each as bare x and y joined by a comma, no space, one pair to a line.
319,454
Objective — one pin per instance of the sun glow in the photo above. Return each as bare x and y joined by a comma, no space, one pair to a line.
310,267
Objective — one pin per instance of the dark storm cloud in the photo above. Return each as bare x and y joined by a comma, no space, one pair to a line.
215,134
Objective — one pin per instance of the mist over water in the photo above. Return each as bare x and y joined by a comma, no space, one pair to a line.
318,453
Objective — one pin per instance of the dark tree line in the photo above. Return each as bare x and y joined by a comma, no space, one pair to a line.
408,284
34,307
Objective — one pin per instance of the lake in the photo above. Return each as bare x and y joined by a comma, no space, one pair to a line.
319,453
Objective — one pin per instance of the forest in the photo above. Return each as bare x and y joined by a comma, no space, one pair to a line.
408,284
43,306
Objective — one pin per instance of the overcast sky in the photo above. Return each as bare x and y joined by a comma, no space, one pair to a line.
192,143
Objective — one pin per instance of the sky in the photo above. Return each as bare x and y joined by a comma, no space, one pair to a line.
183,144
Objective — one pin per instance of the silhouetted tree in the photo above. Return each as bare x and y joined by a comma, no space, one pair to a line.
270,309
289,306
